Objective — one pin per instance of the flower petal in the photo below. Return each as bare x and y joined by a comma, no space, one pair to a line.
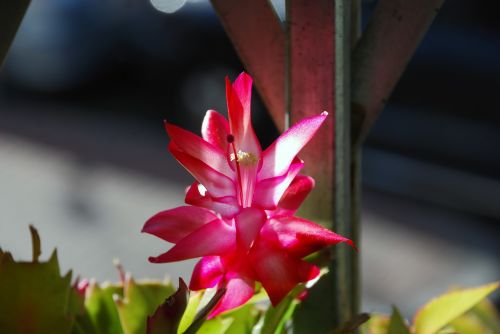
175,224
226,206
215,129
301,237
242,87
218,184
294,195
200,149
238,97
269,191
248,224
278,272
207,273
214,238
276,158
239,289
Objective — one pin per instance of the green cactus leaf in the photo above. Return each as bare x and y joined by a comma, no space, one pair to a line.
140,300
34,298
482,318
101,308
442,310
244,319
276,317
488,315
215,326
167,317
201,317
397,324
190,313
377,324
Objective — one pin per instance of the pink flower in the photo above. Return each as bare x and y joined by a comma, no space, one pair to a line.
81,286
241,214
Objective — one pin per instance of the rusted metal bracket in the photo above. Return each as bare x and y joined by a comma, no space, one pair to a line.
381,55
259,39
318,67
11,16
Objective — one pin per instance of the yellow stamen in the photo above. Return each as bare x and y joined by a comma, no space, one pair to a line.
244,158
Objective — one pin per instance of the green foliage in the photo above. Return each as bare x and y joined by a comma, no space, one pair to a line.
487,313
214,326
202,315
178,314
482,318
377,324
190,312
447,307
244,319
352,325
138,302
167,317
101,310
396,323
276,317
314,315
34,298
464,311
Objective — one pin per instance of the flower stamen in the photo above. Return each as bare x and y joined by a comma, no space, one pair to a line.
233,156
246,159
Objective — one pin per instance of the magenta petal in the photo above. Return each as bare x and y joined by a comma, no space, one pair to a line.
215,129
276,158
175,224
238,97
268,192
278,272
242,87
207,273
239,290
199,149
226,206
301,237
295,194
216,183
248,224
214,238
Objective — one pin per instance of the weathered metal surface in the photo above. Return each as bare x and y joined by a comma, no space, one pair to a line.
259,39
316,78
318,63
387,44
11,15
356,183
311,90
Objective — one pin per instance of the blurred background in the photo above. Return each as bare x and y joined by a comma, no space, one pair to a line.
87,85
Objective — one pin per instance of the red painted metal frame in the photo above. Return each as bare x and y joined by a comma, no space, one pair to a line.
380,57
304,71
259,39
11,16
311,90
319,47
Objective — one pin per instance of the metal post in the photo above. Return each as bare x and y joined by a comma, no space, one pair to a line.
318,78
11,15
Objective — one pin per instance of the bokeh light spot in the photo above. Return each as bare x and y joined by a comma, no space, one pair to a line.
168,6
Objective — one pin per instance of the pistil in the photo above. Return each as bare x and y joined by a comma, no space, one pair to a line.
230,140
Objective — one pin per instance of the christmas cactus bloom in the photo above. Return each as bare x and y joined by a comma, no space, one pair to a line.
240,218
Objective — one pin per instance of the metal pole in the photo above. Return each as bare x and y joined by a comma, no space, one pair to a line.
11,15
318,78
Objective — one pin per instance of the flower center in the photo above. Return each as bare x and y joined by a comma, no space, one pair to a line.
246,159
245,170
